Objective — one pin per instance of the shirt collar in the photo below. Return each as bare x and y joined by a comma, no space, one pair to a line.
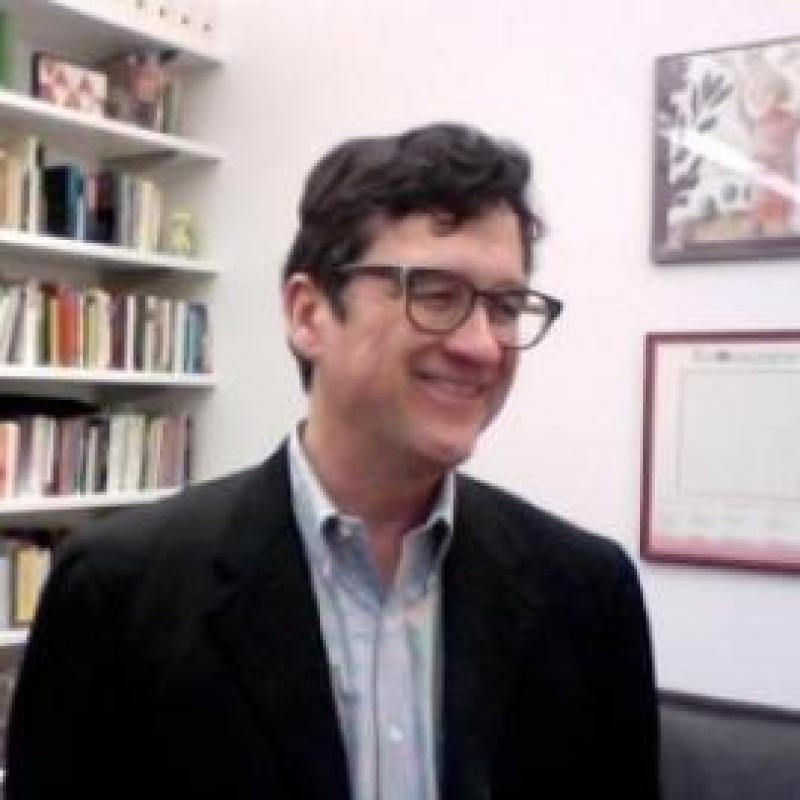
315,512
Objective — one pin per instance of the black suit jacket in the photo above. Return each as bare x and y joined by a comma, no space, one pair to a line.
177,653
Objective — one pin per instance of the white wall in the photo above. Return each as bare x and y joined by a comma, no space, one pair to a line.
571,81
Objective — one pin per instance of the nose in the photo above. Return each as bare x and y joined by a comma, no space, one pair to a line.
474,339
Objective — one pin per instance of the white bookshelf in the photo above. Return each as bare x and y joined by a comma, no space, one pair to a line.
118,377
88,31
54,249
99,28
13,636
81,133
61,504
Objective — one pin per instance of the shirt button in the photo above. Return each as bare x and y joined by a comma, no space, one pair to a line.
396,733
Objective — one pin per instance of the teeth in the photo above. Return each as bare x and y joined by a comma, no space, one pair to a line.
454,387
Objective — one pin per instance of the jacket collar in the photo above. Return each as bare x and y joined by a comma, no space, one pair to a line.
487,621
265,621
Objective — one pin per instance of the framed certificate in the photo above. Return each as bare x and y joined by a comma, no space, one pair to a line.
721,449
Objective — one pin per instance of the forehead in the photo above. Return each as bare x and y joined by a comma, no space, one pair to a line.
486,248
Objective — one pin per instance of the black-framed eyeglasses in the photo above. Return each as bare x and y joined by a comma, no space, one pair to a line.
438,301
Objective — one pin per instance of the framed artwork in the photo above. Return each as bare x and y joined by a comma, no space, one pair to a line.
721,449
69,85
726,153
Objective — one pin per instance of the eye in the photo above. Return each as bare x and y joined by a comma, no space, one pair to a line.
436,290
442,296
507,306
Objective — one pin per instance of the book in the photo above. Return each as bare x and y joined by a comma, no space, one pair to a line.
179,335
164,345
154,433
48,331
197,355
26,346
10,313
9,449
30,565
89,472
71,438
98,328
6,49
65,205
43,445
103,426
5,584
146,310
133,458
23,184
100,192
5,189
69,326
116,454
12,189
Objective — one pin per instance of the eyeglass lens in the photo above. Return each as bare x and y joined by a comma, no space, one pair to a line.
439,302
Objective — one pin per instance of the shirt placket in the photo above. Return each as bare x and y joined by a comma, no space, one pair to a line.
396,767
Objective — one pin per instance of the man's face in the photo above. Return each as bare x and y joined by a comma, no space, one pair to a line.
394,391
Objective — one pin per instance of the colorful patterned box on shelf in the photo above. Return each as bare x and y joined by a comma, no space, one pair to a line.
69,85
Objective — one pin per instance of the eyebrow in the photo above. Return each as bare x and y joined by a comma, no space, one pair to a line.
507,284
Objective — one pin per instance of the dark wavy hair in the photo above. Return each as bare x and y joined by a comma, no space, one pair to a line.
454,171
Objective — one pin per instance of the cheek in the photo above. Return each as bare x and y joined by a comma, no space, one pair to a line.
508,368
372,358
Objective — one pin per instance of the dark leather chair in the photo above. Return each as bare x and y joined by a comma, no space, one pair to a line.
715,749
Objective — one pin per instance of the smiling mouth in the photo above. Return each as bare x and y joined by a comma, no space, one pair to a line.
456,388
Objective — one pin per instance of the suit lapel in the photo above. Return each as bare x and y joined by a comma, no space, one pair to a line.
486,621
265,622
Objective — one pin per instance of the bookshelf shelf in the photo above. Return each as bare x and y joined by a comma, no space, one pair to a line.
71,375
103,138
84,502
13,636
52,248
98,29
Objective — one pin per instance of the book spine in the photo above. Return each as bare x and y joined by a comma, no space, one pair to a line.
9,446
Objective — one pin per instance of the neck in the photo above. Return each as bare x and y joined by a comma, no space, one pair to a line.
387,493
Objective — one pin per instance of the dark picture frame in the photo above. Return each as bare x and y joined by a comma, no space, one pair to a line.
726,180
721,449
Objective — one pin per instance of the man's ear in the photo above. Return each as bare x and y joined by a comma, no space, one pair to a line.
305,309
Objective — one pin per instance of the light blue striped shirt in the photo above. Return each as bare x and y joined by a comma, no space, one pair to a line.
383,642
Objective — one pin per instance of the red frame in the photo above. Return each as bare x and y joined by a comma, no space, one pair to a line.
775,558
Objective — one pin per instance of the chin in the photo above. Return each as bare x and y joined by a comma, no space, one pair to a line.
448,452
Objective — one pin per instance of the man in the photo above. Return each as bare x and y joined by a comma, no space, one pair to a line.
351,619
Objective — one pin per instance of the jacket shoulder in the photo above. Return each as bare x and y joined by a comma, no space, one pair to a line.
520,532
180,530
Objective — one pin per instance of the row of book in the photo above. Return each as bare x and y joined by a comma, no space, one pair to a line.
25,558
107,452
55,324
103,206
